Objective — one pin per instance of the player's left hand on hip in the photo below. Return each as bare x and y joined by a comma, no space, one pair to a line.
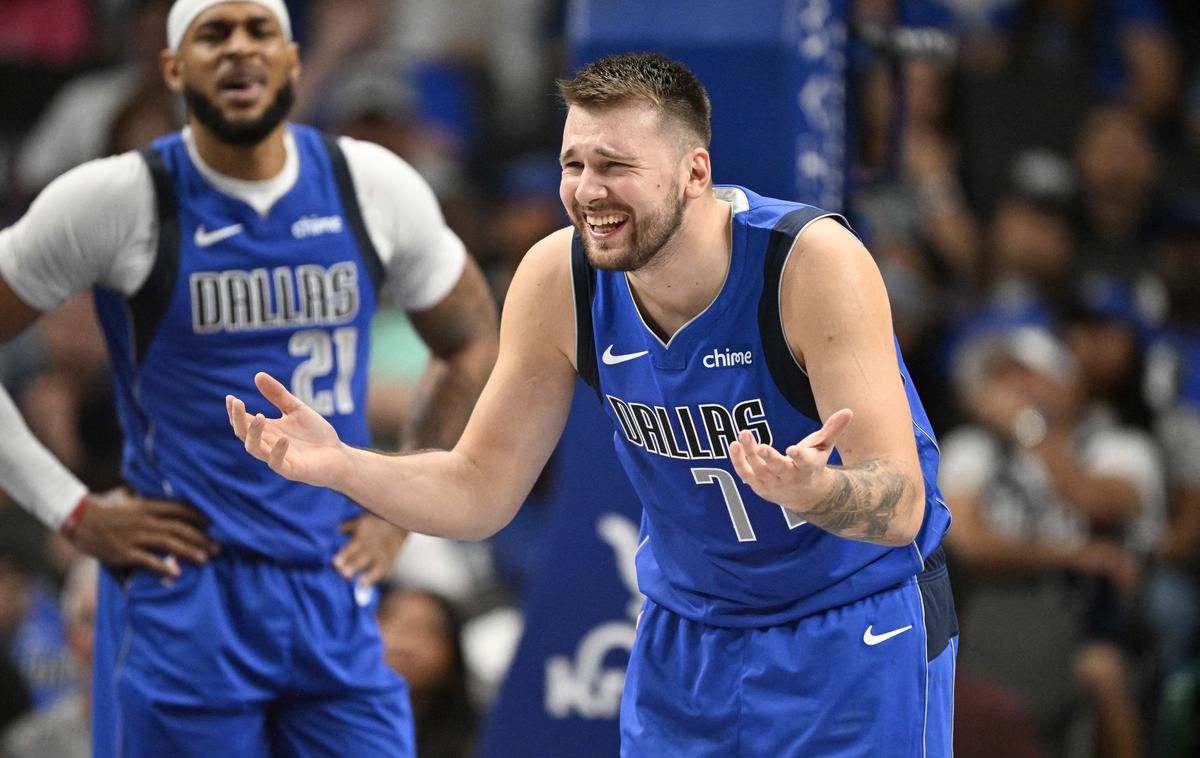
786,478
372,549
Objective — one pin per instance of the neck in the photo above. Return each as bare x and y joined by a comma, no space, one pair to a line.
686,276
257,162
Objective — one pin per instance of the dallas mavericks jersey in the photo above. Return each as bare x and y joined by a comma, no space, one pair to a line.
232,293
710,549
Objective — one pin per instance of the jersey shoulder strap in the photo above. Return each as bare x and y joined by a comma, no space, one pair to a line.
583,284
354,217
789,378
148,305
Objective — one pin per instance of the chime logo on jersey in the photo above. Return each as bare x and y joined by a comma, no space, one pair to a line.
702,432
307,295
727,358
315,226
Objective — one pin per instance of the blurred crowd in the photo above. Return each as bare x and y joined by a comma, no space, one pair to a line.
1027,175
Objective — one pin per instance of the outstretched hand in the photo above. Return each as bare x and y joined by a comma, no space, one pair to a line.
792,479
300,445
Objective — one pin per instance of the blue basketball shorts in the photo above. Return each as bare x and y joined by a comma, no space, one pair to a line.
872,678
244,657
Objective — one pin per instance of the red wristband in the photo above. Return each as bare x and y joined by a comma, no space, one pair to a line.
76,514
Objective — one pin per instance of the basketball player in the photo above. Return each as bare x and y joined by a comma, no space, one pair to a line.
798,602
241,240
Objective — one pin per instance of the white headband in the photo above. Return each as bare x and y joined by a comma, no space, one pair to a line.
184,12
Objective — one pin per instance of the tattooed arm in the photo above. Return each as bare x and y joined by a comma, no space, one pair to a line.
838,324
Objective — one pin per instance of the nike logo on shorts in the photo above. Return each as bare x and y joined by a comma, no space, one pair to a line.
875,639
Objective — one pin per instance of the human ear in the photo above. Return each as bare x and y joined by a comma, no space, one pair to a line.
170,65
699,172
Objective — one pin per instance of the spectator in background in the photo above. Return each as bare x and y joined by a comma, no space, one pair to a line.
335,30
64,731
31,632
1031,241
79,123
1121,50
1028,486
422,642
14,693
528,210
1173,389
1036,67
492,60
1119,196
42,44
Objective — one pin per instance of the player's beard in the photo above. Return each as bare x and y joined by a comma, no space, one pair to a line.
646,236
240,133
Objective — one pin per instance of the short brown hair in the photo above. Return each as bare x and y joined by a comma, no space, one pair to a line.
653,78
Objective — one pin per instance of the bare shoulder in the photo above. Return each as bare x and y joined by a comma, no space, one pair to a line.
832,289
826,248
544,276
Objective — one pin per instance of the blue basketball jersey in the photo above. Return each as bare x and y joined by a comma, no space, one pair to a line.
710,549
232,293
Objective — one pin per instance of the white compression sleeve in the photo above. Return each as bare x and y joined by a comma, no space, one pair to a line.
33,477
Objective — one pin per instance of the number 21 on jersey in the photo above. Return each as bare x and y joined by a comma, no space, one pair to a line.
325,352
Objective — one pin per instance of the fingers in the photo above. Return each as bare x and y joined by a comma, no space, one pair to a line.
358,560
737,456
173,510
278,454
253,436
238,418
164,567
167,543
825,438
754,461
276,393
351,559
188,541
375,573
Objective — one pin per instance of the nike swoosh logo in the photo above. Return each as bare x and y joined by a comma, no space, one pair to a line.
875,639
363,594
612,360
205,238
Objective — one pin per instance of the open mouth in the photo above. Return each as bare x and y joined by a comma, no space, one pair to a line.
603,225
241,88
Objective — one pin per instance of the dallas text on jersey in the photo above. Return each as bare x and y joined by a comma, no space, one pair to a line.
651,427
305,295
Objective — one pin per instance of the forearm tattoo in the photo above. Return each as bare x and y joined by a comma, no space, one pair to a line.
864,502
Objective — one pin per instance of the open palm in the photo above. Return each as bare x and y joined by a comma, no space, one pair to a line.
787,479
300,445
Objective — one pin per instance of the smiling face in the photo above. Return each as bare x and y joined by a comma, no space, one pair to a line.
623,173
236,70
